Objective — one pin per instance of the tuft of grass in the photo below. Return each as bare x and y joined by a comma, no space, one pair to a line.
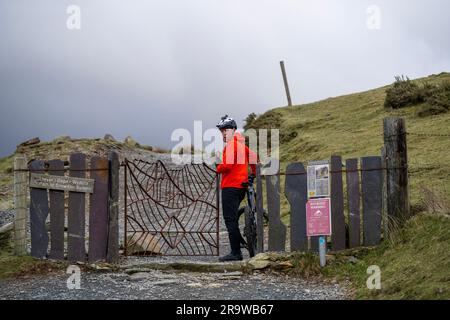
404,93
6,164
305,265
12,266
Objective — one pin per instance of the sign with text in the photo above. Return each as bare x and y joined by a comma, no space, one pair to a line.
43,181
318,217
318,179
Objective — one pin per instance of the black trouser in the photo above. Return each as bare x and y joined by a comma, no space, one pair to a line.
231,199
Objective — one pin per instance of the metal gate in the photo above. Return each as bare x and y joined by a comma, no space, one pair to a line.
171,211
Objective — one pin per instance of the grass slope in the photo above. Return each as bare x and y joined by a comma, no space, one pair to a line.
414,265
352,126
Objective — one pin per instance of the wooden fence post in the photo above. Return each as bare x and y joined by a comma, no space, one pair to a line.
20,204
397,170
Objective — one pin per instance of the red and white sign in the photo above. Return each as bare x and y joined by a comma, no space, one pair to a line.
318,217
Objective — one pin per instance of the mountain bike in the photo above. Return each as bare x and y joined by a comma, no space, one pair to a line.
249,212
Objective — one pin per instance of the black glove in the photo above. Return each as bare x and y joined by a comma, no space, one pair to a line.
251,179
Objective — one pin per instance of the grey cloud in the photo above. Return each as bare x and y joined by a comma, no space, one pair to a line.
147,67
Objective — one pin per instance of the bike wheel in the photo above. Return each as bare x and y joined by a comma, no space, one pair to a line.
250,231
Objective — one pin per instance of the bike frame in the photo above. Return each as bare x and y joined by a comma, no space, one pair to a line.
251,198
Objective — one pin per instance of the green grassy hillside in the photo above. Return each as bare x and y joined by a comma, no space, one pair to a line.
415,264
352,126
414,261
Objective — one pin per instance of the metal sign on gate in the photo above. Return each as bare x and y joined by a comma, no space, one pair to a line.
171,211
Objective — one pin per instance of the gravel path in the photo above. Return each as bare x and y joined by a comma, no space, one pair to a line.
177,286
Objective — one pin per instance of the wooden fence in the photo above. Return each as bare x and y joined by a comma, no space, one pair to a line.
52,192
366,194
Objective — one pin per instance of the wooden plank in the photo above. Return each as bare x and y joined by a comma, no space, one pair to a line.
20,205
76,217
297,195
397,169
98,210
44,181
277,230
57,216
337,205
259,212
371,187
353,197
39,210
112,254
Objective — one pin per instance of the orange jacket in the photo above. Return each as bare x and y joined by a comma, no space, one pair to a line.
235,160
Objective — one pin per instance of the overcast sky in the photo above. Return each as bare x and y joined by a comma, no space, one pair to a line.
144,68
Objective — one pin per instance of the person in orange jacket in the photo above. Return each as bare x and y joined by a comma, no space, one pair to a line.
233,168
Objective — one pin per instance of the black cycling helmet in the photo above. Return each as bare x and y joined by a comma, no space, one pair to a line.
227,123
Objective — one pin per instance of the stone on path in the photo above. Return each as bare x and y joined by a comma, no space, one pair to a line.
143,243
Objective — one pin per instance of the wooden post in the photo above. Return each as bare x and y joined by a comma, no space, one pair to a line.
286,85
20,204
112,254
397,169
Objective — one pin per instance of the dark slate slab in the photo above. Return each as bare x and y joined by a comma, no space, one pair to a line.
371,187
76,216
297,195
353,196
337,205
98,210
112,254
259,212
57,216
39,211
277,230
